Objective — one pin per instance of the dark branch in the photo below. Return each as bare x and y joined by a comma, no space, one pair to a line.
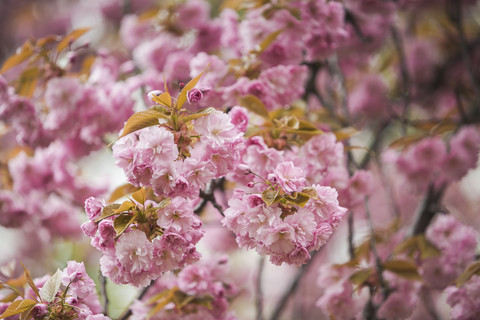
127,314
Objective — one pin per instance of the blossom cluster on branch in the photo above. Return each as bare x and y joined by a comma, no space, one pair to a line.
331,136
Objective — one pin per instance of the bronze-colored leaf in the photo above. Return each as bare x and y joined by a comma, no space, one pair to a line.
427,249
121,191
71,37
30,281
269,196
268,41
298,198
182,97
254,104
472,269
125,206
27,82
18,306
164,99
308,126
405,141
140,120
122,222
140,196
199,114
403,268
345,133
42,42
361,276
25,53
108,211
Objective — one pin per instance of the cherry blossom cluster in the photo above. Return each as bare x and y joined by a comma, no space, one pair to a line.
180,163
287,220
464,300
42,197
431,160
200,290
68,294
457,242
159,238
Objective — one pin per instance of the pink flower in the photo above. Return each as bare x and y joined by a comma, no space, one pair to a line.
239,118
194,95
289,177
93,208
177,216
217,129
133,251
81,285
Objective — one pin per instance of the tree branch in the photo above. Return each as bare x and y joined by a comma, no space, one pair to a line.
259,289
293,287
144,291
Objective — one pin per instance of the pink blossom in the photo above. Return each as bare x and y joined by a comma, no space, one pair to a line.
194,95
289,177
133,251
93,208
80,284
239,118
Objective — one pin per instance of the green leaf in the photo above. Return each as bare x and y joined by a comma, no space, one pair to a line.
140,120
72,36
182,97
122,222
199,114
140,196
269,196
361,276
403,268
253,104
18,306
472,269
25,53
108,211
30,281
125,206
50,288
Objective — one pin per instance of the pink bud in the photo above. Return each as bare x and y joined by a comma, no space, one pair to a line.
194,95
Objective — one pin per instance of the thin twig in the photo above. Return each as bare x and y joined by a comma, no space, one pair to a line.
144,291
397,40
428,208
373,247
454,11
351,247
103,281
208,196
259,289
352,20
282,303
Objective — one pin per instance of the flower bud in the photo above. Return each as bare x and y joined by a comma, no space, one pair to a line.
194,95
